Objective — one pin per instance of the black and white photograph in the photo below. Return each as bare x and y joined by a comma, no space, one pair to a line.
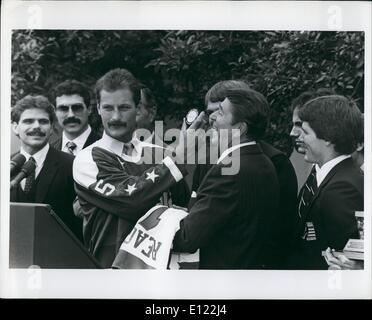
185,150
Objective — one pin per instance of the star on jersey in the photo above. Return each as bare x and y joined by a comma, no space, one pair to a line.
130,188
151,176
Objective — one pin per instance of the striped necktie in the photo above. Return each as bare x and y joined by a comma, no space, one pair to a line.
128,148
30,180
307,192
71,147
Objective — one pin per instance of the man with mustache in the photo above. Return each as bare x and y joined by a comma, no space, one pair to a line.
51,183
73,109
114,189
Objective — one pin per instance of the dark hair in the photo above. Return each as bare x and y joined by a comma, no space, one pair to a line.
117,79
218,91
70,87
149,97
335,119
306,96
32,102
251,107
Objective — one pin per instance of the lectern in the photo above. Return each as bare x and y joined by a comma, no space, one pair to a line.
39,237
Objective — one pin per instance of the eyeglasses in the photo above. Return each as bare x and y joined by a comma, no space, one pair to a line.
76,108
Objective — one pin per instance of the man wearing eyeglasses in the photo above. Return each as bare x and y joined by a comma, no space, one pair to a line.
73,109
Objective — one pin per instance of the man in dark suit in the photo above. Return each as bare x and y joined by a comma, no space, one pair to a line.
73,109
334,188
52,181
231,218
286,216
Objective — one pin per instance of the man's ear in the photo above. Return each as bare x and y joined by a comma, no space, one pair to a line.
98,109
15,128
242,126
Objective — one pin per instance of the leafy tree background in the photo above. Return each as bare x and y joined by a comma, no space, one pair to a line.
180,66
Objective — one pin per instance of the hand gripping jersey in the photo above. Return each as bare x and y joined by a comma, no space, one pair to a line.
149,244
114,193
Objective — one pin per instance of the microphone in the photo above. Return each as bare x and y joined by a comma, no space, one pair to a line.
16,163
26,170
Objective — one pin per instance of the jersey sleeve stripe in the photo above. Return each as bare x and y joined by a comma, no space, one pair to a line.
176,173
85,170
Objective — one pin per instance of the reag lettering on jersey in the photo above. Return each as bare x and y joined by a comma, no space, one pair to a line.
151,238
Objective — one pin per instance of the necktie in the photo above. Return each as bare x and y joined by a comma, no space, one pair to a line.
30,180
71,147
128,148
307,192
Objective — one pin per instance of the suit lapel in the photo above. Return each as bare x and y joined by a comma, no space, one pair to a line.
46,175
338,167
326,180
57,144
93,137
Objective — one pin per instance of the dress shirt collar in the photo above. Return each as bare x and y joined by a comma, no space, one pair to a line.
322,172
117,147
79,141
112,144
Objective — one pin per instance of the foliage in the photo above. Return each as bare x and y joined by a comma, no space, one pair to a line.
180,66
42,59
281,65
